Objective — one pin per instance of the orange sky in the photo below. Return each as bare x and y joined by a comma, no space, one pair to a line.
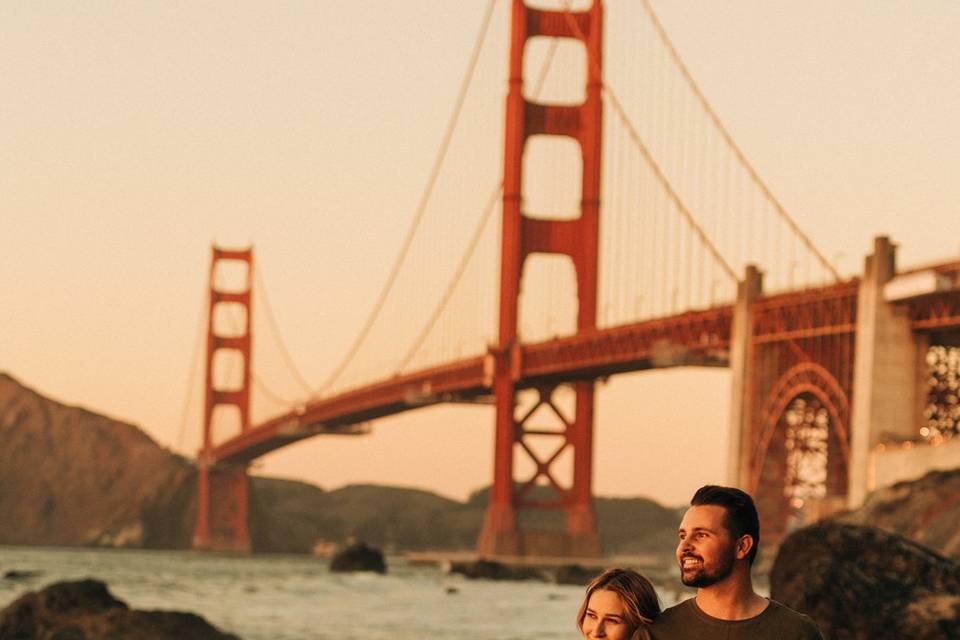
134,135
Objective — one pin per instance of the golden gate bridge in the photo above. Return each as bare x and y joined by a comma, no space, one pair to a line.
622,229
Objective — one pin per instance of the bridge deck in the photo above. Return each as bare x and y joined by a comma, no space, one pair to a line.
695,338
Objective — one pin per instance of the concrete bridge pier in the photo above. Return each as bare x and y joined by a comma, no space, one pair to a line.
888,370
741,388
222,499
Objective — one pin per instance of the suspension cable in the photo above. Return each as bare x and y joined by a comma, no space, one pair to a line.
194,365
421,207
270,393
645,152
272,319
478,231
738,153
452,285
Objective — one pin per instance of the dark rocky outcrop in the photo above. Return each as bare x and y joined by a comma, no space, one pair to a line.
861,582
491,570
926,510
16,574
358,557
86,610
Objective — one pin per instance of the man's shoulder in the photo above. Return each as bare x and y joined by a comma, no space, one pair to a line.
681,609
684,620
797,624
677,616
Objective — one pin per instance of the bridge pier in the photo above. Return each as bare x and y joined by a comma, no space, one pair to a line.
887,370
741,387
222,499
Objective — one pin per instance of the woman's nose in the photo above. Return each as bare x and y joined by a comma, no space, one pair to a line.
599,631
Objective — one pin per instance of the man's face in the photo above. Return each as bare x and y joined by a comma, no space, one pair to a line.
706,551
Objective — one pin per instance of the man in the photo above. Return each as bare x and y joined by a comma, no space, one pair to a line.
719,538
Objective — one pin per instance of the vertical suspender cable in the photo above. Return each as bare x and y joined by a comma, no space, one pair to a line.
741,158
421,208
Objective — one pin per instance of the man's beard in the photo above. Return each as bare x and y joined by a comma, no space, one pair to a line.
701,577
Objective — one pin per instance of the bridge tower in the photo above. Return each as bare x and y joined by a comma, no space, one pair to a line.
222,491
522,236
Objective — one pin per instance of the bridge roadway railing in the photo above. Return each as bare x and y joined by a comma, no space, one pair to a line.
694,338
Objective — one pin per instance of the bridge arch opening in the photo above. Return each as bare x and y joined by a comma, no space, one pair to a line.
228,370
548,301
229,319
800,461
565,80
941,413
552,187
557,5
226,422
231,276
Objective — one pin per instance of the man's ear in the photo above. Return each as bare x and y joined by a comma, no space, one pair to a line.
744,545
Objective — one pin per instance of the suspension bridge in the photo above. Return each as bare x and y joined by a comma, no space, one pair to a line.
617,227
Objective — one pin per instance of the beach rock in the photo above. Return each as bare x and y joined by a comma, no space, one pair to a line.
86,610
861,582
15,574
575,574
490,570
358,557
925,510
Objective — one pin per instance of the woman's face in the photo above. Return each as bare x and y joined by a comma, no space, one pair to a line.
606,617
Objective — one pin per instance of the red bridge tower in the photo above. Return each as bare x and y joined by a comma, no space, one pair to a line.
222,494
522,236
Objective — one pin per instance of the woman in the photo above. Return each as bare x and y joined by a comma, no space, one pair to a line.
618,605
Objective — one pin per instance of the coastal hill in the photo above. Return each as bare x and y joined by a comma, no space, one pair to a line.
69,476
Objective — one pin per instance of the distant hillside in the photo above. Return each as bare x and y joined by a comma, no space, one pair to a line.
69,476
291,516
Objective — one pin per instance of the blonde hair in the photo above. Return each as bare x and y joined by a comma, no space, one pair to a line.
640,601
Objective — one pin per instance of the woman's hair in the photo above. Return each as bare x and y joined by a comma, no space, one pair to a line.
639,598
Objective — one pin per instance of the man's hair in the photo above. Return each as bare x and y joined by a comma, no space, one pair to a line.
740,513
640,602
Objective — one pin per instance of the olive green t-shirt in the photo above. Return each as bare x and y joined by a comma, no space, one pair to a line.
776,622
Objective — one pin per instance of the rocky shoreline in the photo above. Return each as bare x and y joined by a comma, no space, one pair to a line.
86,610
862,582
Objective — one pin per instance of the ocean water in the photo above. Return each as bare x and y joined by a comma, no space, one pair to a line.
281,597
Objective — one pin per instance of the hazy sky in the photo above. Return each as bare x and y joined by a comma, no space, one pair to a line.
134,134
